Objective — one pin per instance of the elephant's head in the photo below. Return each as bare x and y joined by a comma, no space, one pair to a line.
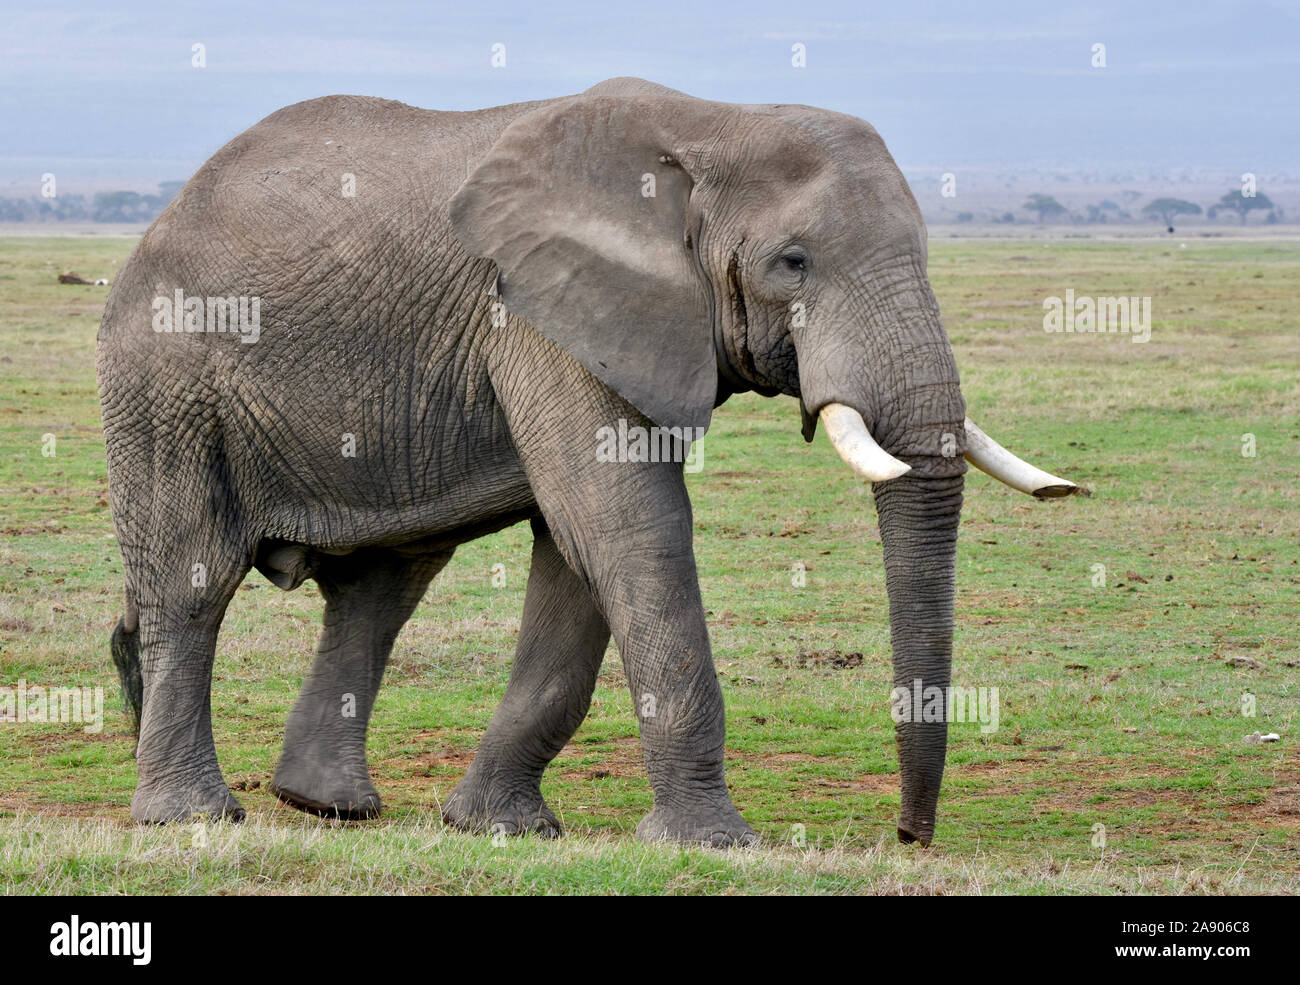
683,250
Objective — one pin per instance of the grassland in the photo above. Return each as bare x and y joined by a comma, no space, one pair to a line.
1120,704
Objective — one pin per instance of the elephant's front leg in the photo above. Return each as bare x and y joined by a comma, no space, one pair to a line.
369,595
651,593
562,641
626,527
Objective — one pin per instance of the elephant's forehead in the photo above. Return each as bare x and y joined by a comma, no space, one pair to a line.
833,168
795,142
839,207
829,136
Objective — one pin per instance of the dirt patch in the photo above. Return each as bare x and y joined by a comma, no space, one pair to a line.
441,734
425,763
118,813
768,759
872,783
50,743
1280,807
1083,799
455,758
781,762
997,767
822,659
1083,788
435,761
623,760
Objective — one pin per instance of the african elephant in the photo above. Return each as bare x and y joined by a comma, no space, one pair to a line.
366,333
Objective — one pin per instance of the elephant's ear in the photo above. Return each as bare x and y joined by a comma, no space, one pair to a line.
583,204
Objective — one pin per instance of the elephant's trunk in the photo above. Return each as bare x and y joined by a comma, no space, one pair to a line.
900,424
918,526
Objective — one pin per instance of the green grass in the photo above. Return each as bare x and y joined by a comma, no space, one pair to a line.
1117,703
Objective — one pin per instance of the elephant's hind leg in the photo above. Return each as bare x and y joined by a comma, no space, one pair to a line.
562,640
180,603
369,595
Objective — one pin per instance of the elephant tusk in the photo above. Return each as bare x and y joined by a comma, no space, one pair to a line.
848,433
990,457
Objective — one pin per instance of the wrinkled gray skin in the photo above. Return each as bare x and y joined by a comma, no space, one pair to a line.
377,321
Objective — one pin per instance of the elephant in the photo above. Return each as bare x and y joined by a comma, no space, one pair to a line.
365,333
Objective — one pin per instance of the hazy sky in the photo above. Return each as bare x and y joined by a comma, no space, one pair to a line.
97,94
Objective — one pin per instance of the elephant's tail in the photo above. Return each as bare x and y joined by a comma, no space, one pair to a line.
125,647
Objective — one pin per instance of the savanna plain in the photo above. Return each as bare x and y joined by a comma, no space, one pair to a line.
1129,634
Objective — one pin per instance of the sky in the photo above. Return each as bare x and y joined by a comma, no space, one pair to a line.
104,94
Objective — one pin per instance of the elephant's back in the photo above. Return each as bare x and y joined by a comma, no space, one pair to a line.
339,178
331,212
328,218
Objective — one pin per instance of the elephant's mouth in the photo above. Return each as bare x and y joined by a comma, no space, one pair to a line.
851,438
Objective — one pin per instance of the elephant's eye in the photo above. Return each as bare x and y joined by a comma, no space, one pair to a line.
795,259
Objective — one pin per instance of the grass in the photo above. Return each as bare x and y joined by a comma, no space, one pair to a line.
1121,705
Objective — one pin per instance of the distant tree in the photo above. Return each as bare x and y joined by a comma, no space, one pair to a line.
70,207
965,216
35,209
1044,205
14,209
119,207
1240,203
1166,208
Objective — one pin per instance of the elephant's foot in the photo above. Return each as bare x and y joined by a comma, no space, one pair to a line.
718,826
335,792
167,803
500,807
